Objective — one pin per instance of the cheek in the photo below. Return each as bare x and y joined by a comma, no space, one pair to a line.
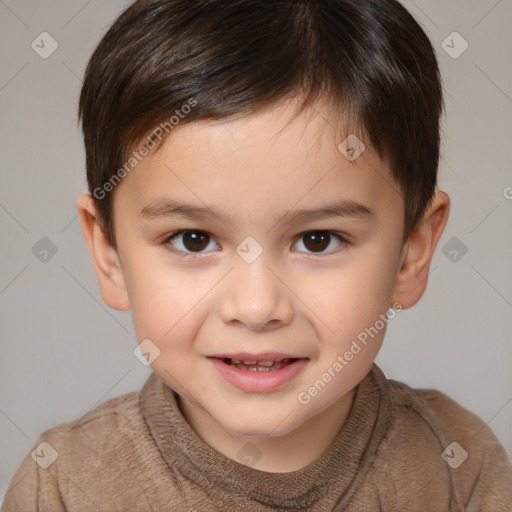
161,298
352,298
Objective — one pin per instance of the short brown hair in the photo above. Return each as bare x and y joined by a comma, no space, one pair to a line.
369,58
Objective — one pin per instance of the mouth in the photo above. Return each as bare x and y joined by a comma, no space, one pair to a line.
263,362
260,373
259,366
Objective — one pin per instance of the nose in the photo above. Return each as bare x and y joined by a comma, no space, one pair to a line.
255,297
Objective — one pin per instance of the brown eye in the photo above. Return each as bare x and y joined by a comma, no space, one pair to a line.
195,240
319,241
190,241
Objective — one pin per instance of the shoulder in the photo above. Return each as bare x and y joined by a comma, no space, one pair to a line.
447,420
450,449
111,439
89,456
96,426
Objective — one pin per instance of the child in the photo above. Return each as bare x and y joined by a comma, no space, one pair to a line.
221,136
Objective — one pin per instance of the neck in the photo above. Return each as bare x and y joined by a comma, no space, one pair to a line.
283,454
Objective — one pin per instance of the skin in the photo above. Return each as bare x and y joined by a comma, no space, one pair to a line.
291,299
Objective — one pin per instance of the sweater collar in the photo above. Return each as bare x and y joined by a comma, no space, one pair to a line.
332,477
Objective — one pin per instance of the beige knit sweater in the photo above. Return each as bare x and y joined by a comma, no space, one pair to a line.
137,453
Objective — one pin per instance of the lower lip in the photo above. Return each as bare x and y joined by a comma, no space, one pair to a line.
256,381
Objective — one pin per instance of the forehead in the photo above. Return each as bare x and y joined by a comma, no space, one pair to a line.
260,163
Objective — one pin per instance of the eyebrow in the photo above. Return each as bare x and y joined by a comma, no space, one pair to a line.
165,208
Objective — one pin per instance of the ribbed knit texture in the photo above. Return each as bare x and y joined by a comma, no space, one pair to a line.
137,452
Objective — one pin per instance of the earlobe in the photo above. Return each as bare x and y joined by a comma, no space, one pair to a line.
417,255
104,256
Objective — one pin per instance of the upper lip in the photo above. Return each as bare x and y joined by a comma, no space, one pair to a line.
265,356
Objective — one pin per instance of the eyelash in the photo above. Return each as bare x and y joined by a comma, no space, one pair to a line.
194,256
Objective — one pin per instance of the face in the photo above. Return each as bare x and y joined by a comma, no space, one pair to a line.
259,240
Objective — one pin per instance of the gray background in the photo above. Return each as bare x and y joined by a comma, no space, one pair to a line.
64,352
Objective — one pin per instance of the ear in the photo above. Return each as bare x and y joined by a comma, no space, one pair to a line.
105,258
417,254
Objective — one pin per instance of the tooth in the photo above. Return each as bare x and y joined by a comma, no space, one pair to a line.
265,367
236,361
250,362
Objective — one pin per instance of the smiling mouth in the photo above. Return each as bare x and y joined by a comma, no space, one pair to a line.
258,366
263,373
